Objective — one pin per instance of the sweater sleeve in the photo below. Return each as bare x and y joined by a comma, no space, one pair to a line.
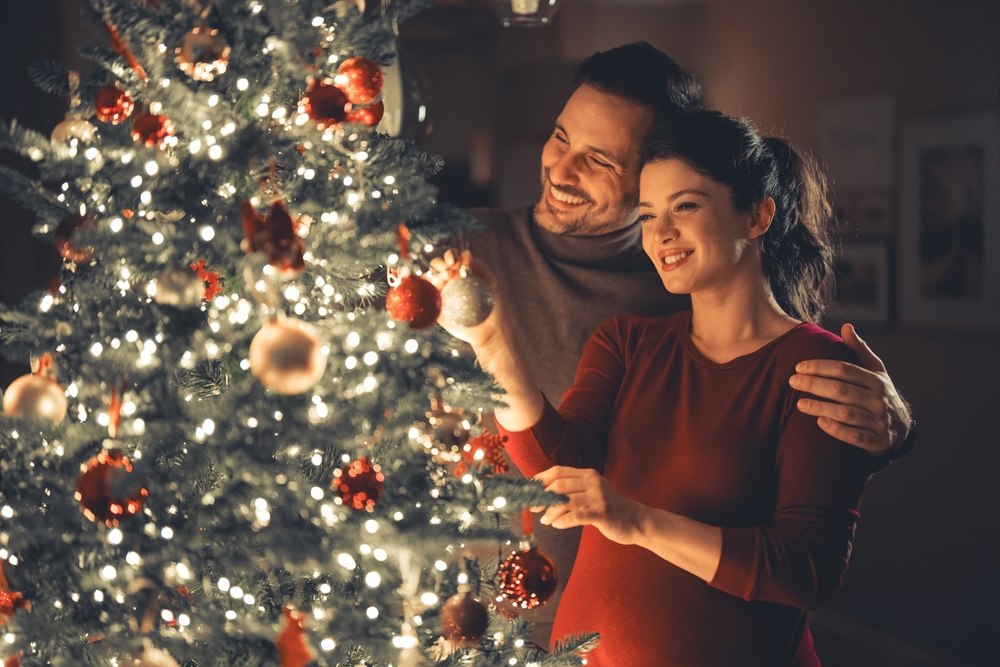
576,434
801,557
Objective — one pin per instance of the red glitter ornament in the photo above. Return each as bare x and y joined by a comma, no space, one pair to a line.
10,601
369,115
275,236
414,301
153,130
361,79
325,103
213,287
113,105
105,490
290,642
464,620
527,578
63,238
359,484
486,448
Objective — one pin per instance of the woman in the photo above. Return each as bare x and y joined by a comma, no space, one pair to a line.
715,513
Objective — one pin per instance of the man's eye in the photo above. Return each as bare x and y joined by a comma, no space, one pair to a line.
558,137
602,165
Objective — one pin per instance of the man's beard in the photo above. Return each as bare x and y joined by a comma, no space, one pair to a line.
591,221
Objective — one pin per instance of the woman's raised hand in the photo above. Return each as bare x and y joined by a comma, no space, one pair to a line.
592,502
447,267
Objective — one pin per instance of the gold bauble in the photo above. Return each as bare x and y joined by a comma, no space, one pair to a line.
179,287
35,397
286,356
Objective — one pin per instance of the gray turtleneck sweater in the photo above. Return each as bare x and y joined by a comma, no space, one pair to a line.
557,289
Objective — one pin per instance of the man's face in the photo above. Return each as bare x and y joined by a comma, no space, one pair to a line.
590,165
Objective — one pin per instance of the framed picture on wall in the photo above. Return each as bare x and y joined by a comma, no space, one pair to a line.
861,269
949,222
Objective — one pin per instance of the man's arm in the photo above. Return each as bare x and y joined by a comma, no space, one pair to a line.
862,406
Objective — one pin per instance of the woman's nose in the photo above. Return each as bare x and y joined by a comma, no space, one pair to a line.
663,230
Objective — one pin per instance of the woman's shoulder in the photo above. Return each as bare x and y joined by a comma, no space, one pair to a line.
810,341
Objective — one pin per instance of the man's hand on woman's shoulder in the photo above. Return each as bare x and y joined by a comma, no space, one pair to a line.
861,406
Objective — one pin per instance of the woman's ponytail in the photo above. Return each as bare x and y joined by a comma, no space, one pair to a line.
797,255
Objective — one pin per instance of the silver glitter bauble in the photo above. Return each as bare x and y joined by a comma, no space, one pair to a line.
72,128
179,287
466,301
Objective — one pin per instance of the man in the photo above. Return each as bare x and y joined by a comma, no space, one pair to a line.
576,259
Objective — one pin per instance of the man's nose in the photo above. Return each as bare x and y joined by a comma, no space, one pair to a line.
564,171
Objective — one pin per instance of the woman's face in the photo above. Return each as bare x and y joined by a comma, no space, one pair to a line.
690,229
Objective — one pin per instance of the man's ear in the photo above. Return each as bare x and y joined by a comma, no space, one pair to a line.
761,217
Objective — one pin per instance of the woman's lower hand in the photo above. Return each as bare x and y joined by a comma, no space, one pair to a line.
592,502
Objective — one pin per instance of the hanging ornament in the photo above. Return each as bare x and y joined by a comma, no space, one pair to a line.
118,44
369,115
487,448
286,356
63,238
203,53
153,130
210,280
107,491
406,95
414,300
466,300
115,408
324,103
179,287
527,578
359,484
74,130
36,395
113,105
464,619
291,642
13,660
10,601
274,235
361,79
150,657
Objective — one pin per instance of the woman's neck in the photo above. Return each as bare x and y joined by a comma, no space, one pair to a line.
737,318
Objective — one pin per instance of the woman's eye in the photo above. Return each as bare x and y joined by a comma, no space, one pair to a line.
686,206
646,216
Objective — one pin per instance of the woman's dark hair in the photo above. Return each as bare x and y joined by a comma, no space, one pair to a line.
797,255
641,73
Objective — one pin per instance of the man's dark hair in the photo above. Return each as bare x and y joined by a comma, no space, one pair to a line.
640,73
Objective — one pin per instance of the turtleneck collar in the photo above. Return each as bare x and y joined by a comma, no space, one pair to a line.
620,249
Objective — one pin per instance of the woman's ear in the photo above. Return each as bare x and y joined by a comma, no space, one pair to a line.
761,217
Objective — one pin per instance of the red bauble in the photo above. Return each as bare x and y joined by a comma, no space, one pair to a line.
362,79
414,301
359,484
106,491
464,620
204,53
63,238
153,130
369,115
290,642
527,578
486,448
325,103
113,105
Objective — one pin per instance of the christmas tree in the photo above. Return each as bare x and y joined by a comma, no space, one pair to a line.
244,440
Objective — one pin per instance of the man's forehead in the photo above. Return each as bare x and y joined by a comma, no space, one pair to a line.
607,122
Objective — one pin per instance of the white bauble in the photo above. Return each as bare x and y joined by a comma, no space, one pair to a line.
286,356
151,657
35,397
179,287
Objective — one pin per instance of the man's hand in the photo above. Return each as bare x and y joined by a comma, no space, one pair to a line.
866,411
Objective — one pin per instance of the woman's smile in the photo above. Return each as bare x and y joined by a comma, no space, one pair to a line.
671,259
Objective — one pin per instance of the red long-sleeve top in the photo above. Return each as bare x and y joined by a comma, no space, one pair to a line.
722,444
